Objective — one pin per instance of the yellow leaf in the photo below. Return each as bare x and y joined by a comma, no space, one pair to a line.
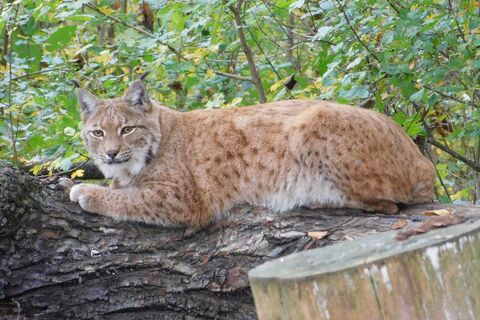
106,10
210,73
277,85
198,54
36,169
441,212
104,57
110,70
41,78
235,101
77,173
462,194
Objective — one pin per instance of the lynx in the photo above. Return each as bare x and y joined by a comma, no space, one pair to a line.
189,168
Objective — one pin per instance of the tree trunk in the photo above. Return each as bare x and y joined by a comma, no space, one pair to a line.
58,262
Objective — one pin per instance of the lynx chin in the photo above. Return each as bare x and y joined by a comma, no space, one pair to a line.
188,168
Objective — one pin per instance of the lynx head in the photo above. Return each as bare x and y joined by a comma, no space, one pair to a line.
120,134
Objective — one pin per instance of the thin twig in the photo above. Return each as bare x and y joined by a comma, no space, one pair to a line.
439,176
449,96
454,14
393,6
311,16
39,72
66,171
232,76
264,55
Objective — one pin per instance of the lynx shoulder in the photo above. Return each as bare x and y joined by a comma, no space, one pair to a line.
186,169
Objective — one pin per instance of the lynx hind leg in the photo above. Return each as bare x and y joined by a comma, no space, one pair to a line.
380,206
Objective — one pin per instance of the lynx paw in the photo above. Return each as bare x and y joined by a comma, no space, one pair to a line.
84,194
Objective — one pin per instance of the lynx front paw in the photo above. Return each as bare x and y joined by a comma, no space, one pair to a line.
84,194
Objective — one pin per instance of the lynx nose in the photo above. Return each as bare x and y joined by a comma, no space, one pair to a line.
112,154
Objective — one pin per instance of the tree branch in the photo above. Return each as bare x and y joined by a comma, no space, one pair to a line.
454,154
449,96
248,52
27,75
232,76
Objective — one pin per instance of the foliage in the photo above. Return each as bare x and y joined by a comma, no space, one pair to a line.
418,60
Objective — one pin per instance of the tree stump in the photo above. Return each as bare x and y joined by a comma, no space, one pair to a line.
434,275
59,262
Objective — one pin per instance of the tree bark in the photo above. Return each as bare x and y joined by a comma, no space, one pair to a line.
59,262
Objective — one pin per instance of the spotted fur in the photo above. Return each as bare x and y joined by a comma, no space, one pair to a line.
186,169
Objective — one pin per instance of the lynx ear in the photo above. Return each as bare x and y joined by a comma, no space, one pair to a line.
137,96
88,102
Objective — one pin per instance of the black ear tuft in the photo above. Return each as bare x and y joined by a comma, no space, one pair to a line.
144,75
75,83
137,95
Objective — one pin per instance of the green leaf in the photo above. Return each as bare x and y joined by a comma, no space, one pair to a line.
417,96
356,92
399,118
322,32
60,38
129,37
296,5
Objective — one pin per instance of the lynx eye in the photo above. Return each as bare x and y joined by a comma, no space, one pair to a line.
97,133
127,129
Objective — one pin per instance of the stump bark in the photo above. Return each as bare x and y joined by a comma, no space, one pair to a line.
59,262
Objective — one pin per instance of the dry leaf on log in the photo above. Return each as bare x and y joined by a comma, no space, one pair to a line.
441,212
400,223
432,223
317,235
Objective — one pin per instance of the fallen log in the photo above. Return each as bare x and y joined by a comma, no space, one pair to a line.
59,262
